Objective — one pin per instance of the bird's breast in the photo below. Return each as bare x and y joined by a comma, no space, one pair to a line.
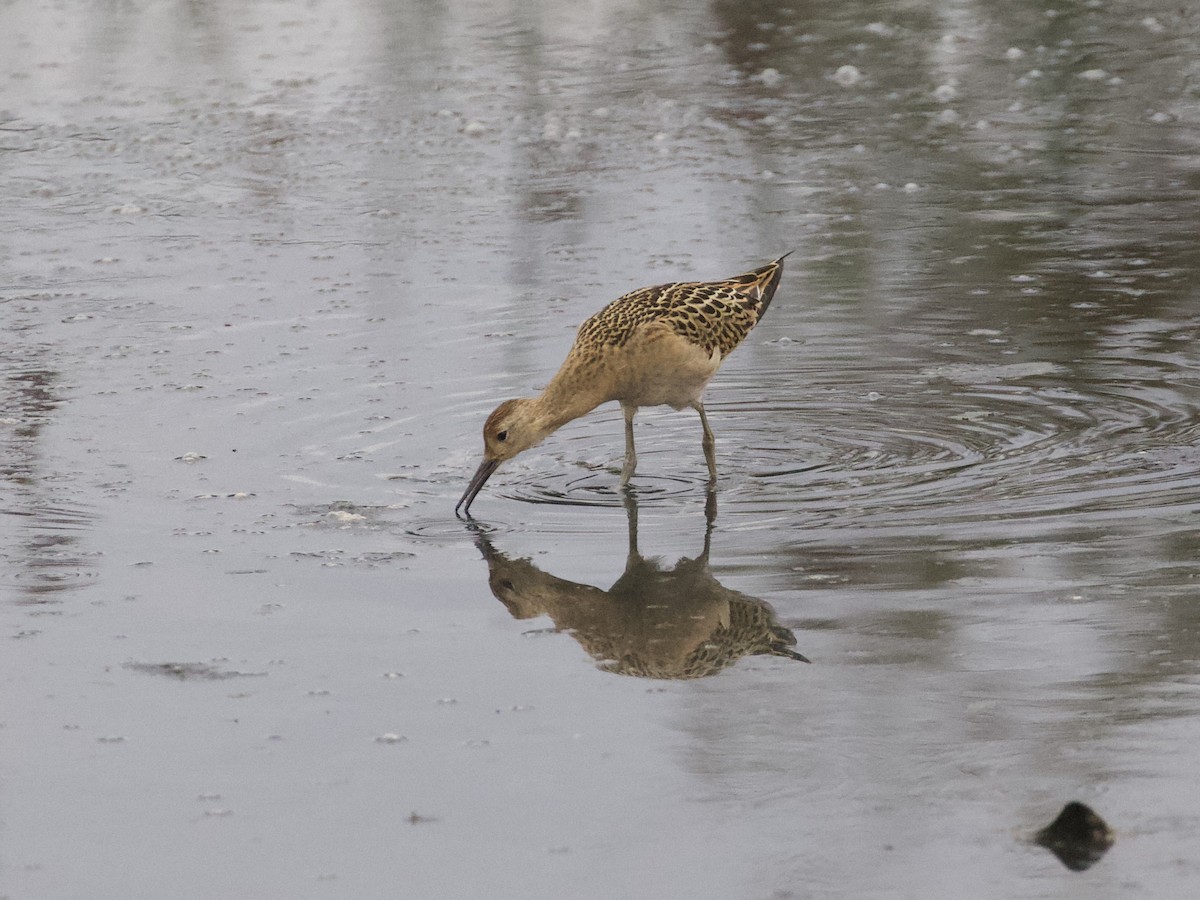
660,368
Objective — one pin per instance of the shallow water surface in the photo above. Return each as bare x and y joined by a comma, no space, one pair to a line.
268,267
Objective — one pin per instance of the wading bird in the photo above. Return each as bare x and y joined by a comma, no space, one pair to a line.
656,346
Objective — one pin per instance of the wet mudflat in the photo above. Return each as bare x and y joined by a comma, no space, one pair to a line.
267,268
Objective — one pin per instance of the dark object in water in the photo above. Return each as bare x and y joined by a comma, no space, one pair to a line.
1078,837
653,622
188,671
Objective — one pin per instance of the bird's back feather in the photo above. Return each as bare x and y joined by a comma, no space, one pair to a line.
714,315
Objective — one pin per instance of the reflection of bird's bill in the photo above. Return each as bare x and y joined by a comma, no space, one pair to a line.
482,474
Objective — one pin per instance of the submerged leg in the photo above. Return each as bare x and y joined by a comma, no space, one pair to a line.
709,443
630,453
631,513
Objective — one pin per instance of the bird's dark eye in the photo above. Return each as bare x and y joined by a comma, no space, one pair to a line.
502,436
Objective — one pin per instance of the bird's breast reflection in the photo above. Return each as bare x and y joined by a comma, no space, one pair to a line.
654,622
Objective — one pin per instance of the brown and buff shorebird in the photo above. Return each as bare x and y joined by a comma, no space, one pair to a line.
656,346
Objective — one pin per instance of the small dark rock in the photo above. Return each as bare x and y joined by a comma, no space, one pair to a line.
1078,837
187,671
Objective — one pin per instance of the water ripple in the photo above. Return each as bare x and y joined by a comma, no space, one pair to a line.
970,447
889,443
595,489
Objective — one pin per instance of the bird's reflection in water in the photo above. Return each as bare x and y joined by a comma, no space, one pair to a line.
653,622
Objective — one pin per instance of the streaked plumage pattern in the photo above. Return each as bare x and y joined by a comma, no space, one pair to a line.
656,346
711,314
654,622
752,631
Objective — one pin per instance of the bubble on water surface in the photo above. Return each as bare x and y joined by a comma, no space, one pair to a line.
847,75
768,77
343,515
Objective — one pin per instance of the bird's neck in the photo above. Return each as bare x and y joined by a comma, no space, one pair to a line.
569,395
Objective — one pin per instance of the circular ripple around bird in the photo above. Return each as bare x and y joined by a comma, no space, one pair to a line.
445,530
953,452
965,446
595,489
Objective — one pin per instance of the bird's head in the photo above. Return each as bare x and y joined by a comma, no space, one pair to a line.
513,427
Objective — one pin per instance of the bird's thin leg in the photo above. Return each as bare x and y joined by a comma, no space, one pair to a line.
630,454
709,443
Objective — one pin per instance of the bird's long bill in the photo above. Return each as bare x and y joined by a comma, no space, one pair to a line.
482,474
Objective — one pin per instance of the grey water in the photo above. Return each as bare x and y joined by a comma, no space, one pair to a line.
264,270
